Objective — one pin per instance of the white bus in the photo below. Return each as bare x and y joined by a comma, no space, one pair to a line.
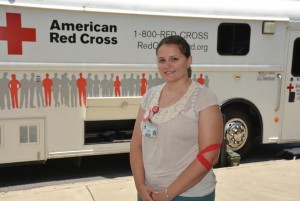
72,72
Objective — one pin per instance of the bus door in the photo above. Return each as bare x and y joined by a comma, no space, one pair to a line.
291,89
22,140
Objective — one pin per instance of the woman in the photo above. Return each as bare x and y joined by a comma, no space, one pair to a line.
177,133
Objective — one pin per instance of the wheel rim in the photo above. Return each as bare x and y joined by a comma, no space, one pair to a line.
236,133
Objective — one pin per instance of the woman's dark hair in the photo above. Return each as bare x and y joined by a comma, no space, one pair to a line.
182,44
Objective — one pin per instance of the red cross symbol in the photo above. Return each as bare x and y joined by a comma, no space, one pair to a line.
290,87
14,34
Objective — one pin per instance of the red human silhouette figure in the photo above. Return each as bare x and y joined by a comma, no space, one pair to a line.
144,84
81,86
47,84
117,85
14,85
201,80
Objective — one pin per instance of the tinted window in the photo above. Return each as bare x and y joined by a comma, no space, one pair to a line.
296,58
233,39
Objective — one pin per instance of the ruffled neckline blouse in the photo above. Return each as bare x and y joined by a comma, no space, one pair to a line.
171,111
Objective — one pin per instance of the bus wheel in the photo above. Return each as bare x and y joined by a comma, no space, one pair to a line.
238,131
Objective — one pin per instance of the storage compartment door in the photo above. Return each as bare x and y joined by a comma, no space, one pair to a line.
22,140
112,108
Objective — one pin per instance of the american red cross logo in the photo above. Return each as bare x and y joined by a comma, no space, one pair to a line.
14,34
290,87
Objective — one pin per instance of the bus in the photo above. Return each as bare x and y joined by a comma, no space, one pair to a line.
72,73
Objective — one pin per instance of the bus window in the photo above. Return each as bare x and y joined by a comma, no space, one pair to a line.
28,134
0,135
296,58
233,39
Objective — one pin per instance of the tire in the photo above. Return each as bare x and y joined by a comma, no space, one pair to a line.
238,131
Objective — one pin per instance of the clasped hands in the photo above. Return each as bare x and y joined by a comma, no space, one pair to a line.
150,194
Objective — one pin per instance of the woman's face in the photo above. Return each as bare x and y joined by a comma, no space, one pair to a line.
172,64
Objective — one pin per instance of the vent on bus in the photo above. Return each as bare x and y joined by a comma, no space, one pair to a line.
28,134
112,131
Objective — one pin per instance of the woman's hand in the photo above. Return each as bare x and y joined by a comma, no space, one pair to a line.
160,196
146,193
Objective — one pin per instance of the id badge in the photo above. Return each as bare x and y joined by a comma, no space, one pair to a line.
150,130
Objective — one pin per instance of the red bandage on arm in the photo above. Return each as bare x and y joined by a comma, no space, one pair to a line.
202,159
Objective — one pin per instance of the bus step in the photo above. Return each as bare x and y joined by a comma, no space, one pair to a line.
291,152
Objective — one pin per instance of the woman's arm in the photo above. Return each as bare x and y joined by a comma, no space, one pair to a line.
210,128
136,160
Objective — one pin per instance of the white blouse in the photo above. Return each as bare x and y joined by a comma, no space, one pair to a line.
176,145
